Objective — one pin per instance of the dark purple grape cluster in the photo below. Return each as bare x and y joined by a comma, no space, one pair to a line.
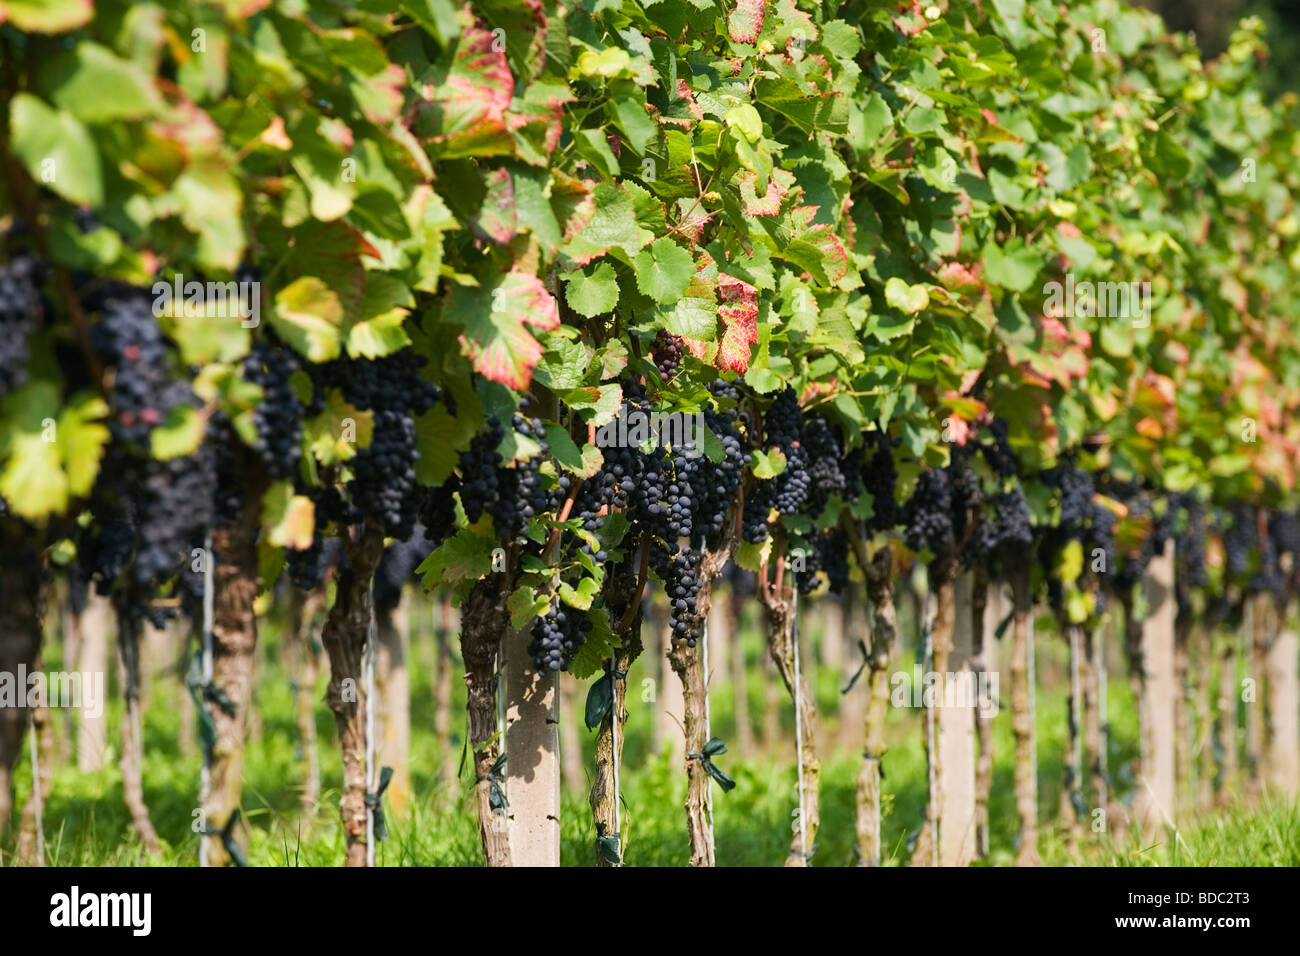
667,349
821,441
681,579
880,479
127,339
1189,548
172,507
1001,459
383,485
806,577
967,496
20,314
480,487
397,566
758,509
438,511
784,425
307,567
511,495
279,414
557,636
718,488
927,516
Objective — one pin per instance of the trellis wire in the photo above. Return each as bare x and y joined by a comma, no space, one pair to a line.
708,719
205,664
929,611
1033,708
372,784
613,727
798,727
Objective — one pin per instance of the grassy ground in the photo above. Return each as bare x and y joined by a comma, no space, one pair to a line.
87,824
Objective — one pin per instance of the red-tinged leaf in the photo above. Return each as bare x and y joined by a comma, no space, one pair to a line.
682,108
739,315
573,201
465,115
496,318
692,218
704,351
538,121
746,21
497,221
769,204
380,96
961,278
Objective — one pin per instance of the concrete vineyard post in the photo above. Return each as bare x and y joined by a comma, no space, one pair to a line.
1155,800
532,748
957,731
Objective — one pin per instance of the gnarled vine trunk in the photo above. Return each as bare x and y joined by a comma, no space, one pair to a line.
93,625
878,571
131,762
303,658
22,601
236,581
1204,751
346,631
623,591
1228,732
1257,715
782,639
484,621
1094,740
1022,715
31,842
984,624
1184,739
1072,759
687,664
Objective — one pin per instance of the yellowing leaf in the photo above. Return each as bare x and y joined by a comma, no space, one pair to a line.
289,519
307,316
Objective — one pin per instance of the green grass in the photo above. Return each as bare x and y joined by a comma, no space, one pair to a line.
86,823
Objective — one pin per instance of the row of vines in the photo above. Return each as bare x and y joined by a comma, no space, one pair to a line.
292,289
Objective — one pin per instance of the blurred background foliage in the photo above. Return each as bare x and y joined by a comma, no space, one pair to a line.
1212,22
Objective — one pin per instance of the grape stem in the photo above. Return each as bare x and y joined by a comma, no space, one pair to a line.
568,502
